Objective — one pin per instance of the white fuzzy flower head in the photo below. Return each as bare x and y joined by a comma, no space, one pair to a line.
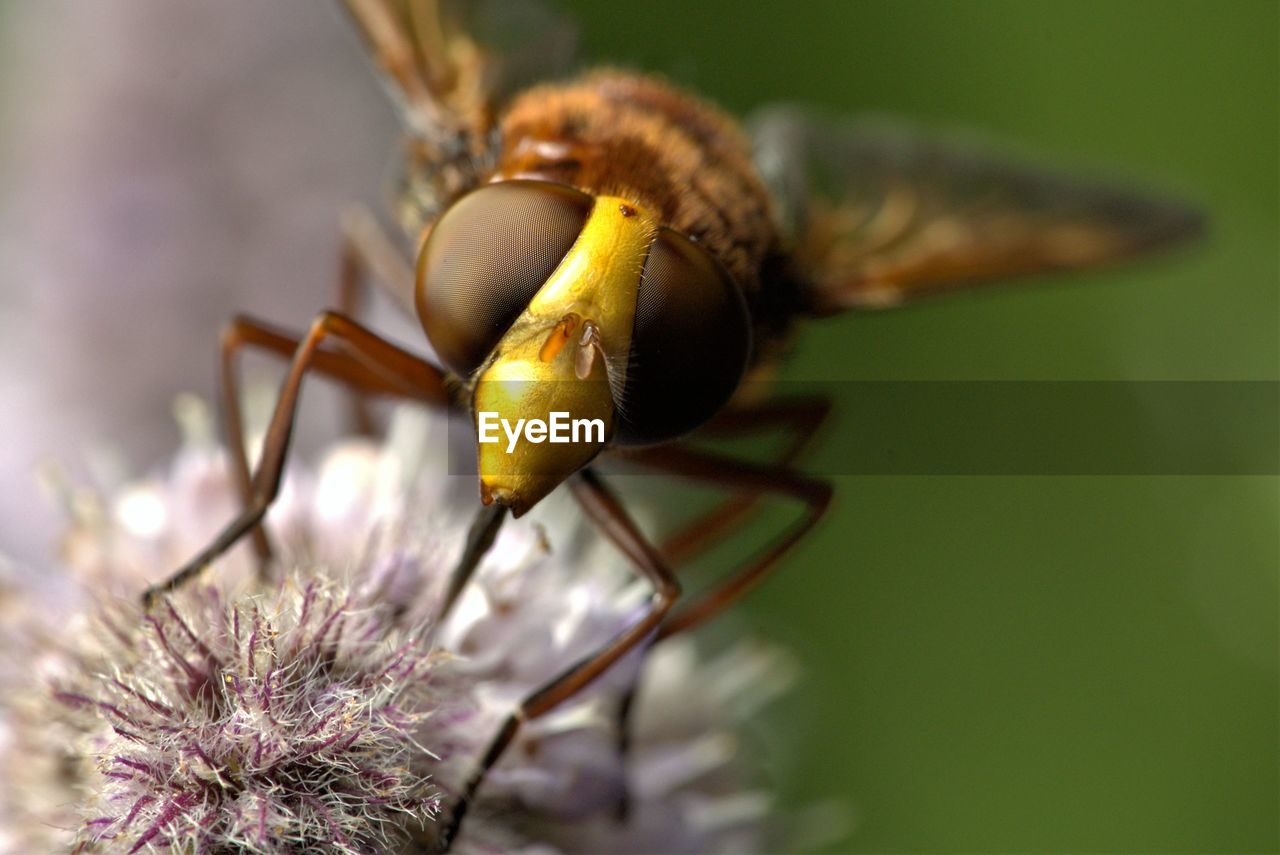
257,725
326,711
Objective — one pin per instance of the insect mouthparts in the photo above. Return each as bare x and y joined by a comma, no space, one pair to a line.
588,346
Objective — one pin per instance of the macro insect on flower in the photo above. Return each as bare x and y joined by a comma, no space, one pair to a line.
613,248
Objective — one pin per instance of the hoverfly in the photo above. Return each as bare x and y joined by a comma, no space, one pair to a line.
612,247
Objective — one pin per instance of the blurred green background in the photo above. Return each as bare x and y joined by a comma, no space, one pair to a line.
1026,664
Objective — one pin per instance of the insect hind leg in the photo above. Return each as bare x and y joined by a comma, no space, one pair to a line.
803,418
364,361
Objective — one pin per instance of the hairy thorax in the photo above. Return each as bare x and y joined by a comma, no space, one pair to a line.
633,136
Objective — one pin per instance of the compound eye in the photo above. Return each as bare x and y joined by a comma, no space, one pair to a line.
486,257
690,346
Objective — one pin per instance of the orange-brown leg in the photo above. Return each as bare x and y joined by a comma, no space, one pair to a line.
753,479
602,508
801,417
366,254
365,361
750,482
244,332
368,257
240,333
607,513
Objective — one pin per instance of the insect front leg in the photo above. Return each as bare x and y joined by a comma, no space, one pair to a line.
365,361
367,256
607,513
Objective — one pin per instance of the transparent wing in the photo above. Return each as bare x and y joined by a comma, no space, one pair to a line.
524,42
449,63
880,213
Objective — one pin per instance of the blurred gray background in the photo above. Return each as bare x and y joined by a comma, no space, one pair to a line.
164,165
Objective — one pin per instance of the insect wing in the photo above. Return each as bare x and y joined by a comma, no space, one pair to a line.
525,42
449,64
881,213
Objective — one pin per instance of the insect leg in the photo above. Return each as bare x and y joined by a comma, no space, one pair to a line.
483,532
246,332
368,252
626,708
365,250
369,257
366,361
604,509
751,478
803,417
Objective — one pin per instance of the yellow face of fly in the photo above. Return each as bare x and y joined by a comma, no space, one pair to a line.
559,363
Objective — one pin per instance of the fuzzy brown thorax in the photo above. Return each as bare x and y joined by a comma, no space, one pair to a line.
620,134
